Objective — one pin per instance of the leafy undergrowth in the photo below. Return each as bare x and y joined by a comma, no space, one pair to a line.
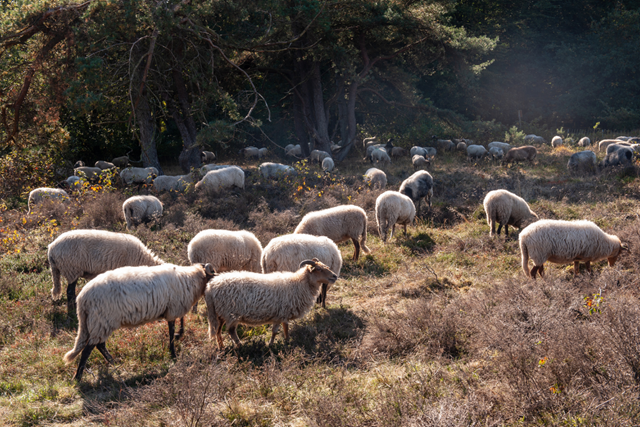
436,327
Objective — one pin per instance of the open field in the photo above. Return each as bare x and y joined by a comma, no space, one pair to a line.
436,328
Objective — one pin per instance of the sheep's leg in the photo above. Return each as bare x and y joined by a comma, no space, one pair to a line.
499,227
285,328
274,332
231,329
181,331
492,223
219,334
71,298
86,352
576,268
356,252
506,230
172,332
541,270
194,309
102,347
536,269
587,264
393,231
405,229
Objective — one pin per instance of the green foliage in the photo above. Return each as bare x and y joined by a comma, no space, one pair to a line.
514,136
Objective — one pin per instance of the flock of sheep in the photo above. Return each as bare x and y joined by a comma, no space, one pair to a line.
244,283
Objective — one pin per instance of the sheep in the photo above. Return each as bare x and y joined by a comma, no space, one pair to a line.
443,144
370,149
319,155
518,154
621,156
584,142
462,146
105,165
121,162
564,242
226,250
285,253
249,152
295,151
501,145
74,182
556,141
78,164
496,153
257,299
132,296
393,208
288,147
39,195
138,209
335,147
339,224
133,175
419,162
506,209
430,152
275,170
380,156
211,167
369,141
87,172
615,147
623,138
87,253
262,152
534,139
222,178
172,183
582,161
375,178
476,152
328,164
603,144
398,152
418,186
417,150
207,157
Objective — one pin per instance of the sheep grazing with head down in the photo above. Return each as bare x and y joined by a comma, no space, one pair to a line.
104,165
40,195
172,183
328,164
398,152
87,253
419,162
584,142
379,155
496,153
582,162
138,175
257,299
534,139
139,209
318,156
557,141
285,253
520,154
506,209
132,296
121,162
87,172
250,152
417,187
393,208
476,152
339,224
275,170
620,156
565,242
375,178
226,250
505,147
218,179
293,150
415,150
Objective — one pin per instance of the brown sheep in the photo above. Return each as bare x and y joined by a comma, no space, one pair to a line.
518,154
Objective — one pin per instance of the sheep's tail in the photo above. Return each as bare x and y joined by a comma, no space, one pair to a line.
363,241
81,340
525,258
56,291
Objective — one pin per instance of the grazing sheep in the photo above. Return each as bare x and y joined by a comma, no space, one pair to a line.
393,208
582,161
250,152
501,145
339,224
172,183
74,182
476,152
556,141
506,209
328,164
295,151
375,178
370,149
212,167
275,170
431,152
418,186
104,165
564,242
262,152
138,209
285,253
39,195
534,139
398,152
207,157
418,150
87,253
584,142
419,162
288,147
621,156
226,250
444,144
257,299
519,154
319,155
132,296
87,172
615,147
623,138
462,146
335,147
603,144
380,156
138,175
496,153
121,162
217,179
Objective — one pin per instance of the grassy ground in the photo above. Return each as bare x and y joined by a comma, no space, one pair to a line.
436,328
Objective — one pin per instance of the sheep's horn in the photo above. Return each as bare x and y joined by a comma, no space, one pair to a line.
624,247
312,262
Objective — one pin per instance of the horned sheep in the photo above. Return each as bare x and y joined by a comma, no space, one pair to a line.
519,154
393,208
375,178
285,253
217,179
417,187
506,209
564,242
42,194
257,299
138,175
132,296
339,224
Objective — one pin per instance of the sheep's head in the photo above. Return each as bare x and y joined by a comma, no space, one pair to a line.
612,259
319,272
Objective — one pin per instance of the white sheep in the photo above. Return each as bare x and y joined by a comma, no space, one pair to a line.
212,167
87,172
417,150
262,152
295,150
328,164
565,242
375,178
603,144
476,152
226,250
132,296
275,170
582,161
505,147
285,253
584,142
104,165
138,209
40,195
339,224
87,253
556,141
496,153
379,155
419,162
138,175
249,152
534,139
207,157
393,208
319,155
172,183
217,179
417,187
506,209
257,299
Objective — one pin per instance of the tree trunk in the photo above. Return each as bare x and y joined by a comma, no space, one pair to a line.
147,127
321,125
351,121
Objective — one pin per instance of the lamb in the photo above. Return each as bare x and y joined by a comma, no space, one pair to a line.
534,139
87,172
418,186
419,162
398,152
519,154
226,250
375,178
380,156
257,299
216,180
319,155
582,161
564,242
556,141
87,253
506,209
104,165
285,253
249,152
328,164
275,170
393,208
496,153
501,145
138,175
621,156
207,157
584,142
339,224
172,183
138,209
121,162
476,152
39,195
132,296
